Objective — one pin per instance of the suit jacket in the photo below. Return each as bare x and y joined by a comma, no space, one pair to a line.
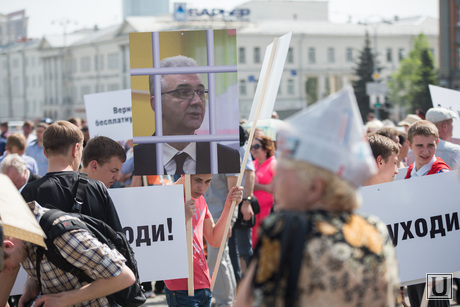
228,159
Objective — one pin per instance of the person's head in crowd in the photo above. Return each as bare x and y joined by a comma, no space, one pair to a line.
183,98
390,132
386,153
199,184
404,149
275,115
423,140
39,131
28,128
420,113
443,119
373,125
16,143
102,159
47,120
408,121
258,133
370,116
63,144
76,121
85,131
244,135
16,169
388,123
262,148
4,127
320,166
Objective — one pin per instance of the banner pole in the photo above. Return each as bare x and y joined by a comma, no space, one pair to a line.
243,164
190,282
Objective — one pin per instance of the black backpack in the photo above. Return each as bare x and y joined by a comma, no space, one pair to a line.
132,296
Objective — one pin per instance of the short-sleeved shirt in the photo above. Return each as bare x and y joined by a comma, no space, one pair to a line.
201,277
82,250
58,190
36,152
449,153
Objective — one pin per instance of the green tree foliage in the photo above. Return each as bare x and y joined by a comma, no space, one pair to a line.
408,87
364,72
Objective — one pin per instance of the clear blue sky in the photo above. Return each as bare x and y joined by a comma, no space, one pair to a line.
87,13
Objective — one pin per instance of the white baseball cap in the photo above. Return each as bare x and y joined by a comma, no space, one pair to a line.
438,114
330,134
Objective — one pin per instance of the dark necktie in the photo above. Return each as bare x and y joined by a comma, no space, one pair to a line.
180,159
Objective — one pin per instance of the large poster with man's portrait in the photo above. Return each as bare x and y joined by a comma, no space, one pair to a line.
184,89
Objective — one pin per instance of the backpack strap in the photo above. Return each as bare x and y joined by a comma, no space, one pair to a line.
54,231
82,182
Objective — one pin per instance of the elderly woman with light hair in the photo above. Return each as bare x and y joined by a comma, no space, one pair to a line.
316,250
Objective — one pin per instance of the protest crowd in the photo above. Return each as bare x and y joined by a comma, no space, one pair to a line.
297,237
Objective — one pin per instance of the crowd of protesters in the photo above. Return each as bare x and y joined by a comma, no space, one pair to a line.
275,255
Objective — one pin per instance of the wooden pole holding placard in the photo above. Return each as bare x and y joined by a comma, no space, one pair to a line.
190,283
243,164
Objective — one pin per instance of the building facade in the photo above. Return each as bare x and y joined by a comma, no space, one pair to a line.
50,77
449,44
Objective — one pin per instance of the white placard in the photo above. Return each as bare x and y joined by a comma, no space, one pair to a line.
411,204
109,114
401,173
449,99
145,210
276,71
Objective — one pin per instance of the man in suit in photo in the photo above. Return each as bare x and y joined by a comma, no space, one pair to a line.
183,100
16,169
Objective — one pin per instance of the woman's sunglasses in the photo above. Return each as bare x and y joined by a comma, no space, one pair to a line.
256,146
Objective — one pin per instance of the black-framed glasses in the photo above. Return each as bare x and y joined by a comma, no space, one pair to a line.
256,146
187,93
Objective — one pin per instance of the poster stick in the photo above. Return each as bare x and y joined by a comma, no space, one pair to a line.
243,164
188,196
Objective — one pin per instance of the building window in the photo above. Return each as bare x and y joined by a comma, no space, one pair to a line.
312,89
101,62
349,55
401,54
85,64
256,55
242,55
290,55
432,53
112,61
389,55
85,90
74,65
458,15
290,87
243,87
330,55
311,55
96,63
112,87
